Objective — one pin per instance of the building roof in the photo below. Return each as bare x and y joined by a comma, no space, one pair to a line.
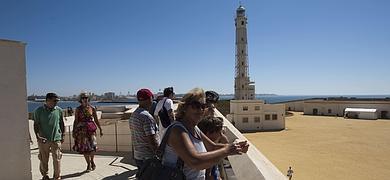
352,100
12,41
359,110
356,99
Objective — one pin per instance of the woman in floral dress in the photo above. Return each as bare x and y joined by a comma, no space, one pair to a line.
84,131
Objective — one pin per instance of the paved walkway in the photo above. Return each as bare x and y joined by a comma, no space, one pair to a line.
115,166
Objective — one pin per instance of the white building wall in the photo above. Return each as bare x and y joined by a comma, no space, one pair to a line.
323,109
367,115
337,107
14,142
279,111
296,106
250,115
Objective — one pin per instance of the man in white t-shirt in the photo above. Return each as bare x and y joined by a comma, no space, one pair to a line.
167,103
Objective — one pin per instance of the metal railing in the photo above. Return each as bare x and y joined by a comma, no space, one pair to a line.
113,139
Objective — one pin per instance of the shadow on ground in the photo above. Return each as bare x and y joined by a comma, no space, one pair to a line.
121,160
70,176
124,175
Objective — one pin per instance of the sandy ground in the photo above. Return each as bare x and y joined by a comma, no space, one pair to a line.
319,147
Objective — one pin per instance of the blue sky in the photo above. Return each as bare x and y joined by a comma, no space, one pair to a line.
312,47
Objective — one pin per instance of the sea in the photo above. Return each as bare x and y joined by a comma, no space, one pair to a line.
270,99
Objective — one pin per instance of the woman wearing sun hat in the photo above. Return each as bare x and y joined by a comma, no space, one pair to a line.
84,131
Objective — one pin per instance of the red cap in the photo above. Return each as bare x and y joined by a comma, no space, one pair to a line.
144,94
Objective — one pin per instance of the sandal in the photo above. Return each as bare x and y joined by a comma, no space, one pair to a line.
93,166
89,169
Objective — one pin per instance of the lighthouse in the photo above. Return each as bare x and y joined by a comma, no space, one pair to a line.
244,89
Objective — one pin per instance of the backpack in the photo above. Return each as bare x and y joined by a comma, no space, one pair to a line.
163,115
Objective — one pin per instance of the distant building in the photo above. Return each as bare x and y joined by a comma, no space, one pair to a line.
109,95
360,108
246,113
357,106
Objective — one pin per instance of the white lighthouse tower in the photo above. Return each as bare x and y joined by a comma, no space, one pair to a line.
247,113
244,89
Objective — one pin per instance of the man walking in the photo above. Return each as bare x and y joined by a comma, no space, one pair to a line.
290,173
144,130
49,129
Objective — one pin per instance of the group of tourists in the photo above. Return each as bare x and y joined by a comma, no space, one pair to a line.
189,140
192,140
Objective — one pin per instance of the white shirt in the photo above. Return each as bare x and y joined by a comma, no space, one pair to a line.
170,156
168,106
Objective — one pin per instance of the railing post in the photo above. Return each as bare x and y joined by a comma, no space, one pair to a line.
116,136
70,139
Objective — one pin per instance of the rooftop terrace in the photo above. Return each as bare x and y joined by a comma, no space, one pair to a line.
114,159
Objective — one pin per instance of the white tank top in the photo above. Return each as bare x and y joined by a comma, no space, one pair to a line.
170,156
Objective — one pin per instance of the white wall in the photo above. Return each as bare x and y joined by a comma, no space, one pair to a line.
368,115
238,114
114,139
15,148
338,107
296,106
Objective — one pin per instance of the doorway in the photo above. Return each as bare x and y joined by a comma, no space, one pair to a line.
383,114
315,111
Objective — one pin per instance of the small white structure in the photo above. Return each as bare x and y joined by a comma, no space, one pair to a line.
112,112
254,115
361,113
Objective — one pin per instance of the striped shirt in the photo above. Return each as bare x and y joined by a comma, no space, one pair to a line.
142,124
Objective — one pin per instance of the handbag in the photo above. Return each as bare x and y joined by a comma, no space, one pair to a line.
153,169
91,126
89,123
